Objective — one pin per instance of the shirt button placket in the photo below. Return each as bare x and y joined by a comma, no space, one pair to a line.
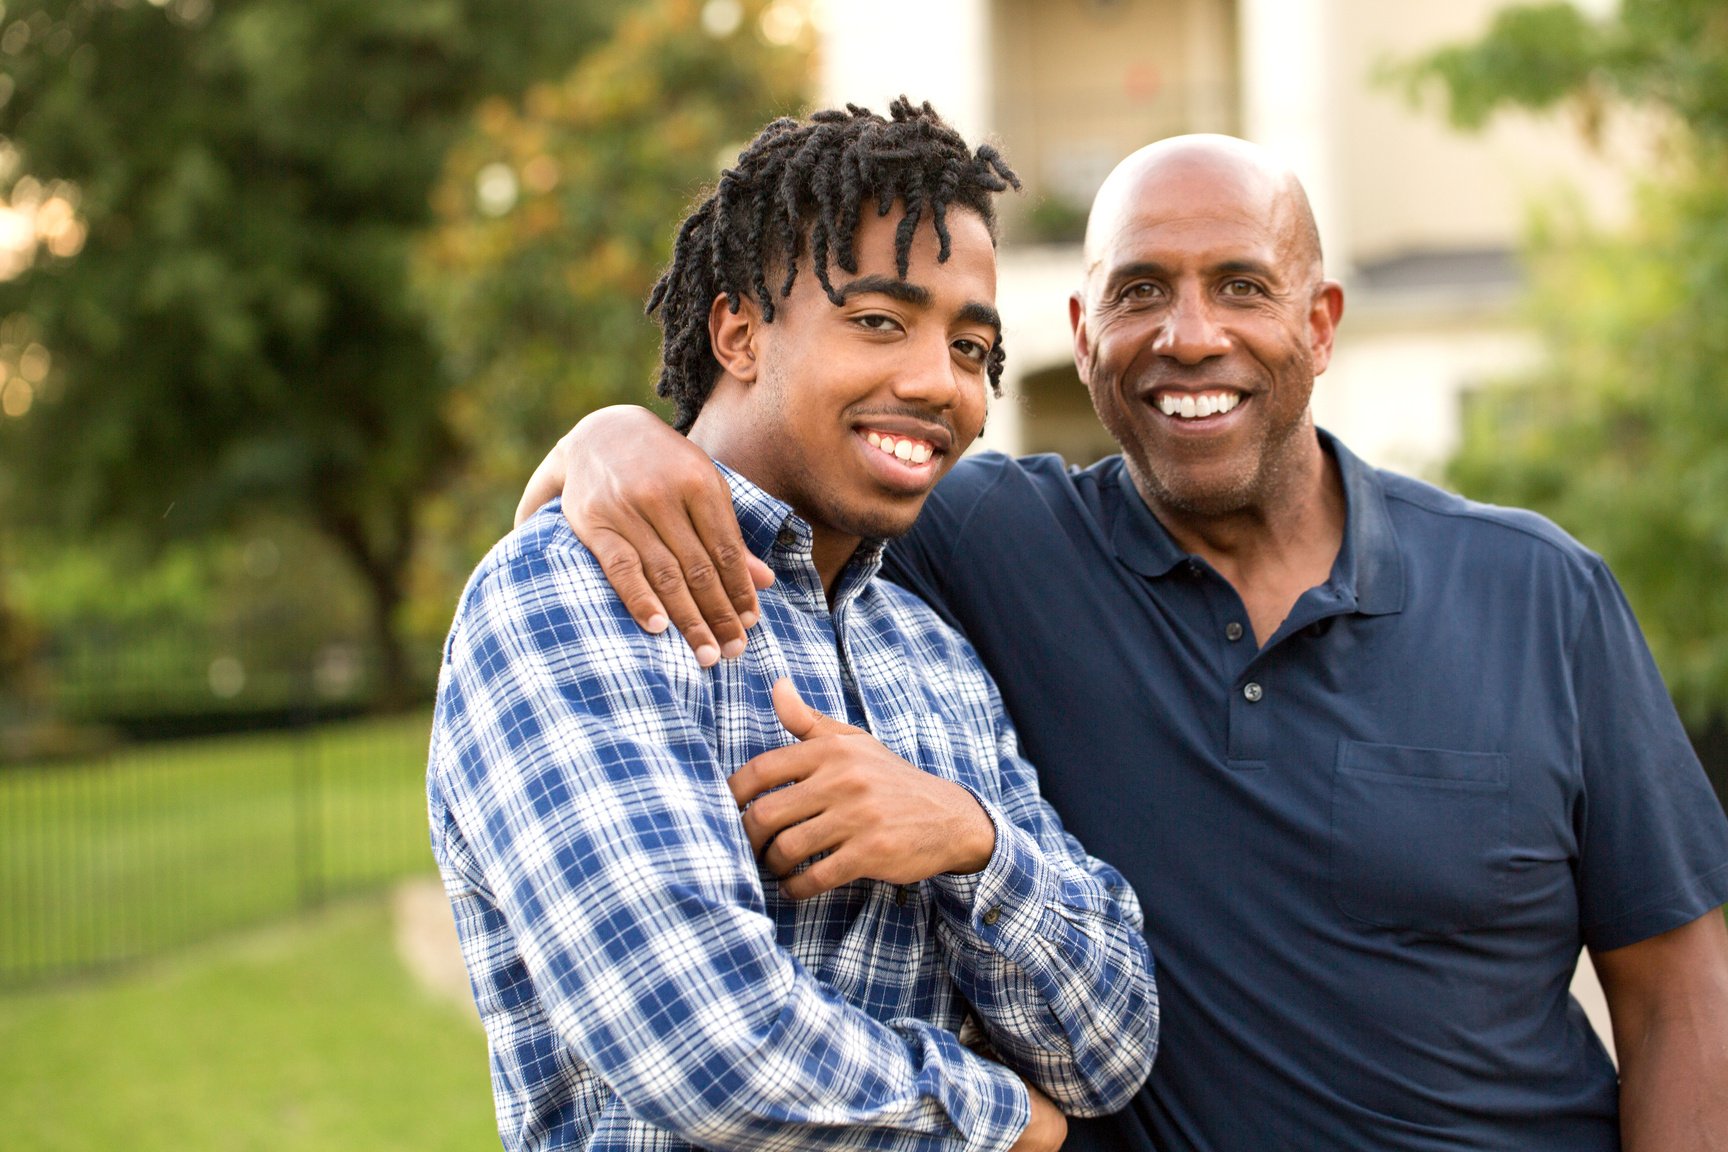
1250,726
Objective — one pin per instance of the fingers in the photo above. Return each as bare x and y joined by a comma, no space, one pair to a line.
772,813
662,571
674,586
721,575
771,770
760,574
824,875
801,720
623,565
658,515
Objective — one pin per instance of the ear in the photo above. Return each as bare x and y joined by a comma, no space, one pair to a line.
1324,312
1082,342
735,336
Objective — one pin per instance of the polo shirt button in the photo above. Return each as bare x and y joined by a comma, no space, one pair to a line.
992,916
1233,631
1253,692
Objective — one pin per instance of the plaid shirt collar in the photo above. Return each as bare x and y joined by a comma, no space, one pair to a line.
783,539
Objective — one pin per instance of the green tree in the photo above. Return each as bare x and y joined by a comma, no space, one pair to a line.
1623,435
211,205
556,214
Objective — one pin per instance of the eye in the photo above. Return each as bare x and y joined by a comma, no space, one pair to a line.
876,322
1241,286
1141,291
975,351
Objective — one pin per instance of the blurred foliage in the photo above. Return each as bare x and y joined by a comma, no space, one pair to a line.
217,316
1623,436
1055,219
120,630
556,214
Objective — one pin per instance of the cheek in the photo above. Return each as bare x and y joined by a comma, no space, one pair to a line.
972,408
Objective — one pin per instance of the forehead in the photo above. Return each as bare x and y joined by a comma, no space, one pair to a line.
971,255
1185,212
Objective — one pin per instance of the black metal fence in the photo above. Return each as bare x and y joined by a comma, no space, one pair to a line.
149,847
157,791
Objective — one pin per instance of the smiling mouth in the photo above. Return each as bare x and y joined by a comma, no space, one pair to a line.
903,448
1197,405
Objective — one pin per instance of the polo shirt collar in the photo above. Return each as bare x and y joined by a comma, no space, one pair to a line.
783,540
1369,568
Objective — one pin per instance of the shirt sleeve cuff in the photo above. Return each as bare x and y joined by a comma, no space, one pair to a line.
1003,904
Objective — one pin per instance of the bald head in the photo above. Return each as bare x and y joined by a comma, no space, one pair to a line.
1205,168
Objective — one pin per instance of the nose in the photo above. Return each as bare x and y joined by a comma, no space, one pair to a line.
1189,332
928,376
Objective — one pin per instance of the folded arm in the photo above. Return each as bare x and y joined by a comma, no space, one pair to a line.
608,840
1045,943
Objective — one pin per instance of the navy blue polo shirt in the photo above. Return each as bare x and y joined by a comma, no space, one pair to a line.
1368,852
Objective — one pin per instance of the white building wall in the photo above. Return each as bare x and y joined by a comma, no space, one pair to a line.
935,50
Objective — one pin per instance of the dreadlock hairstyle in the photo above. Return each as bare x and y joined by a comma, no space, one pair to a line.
803,186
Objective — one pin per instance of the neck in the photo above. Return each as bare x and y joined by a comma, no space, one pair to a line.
1276,547
830,550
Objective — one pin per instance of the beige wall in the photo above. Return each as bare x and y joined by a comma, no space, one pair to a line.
1078,84
1405,181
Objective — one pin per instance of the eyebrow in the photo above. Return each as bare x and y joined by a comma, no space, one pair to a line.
973,312
1223,268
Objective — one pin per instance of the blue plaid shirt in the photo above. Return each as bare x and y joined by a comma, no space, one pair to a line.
643,982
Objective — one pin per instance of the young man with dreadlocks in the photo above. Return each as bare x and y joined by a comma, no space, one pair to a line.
749,905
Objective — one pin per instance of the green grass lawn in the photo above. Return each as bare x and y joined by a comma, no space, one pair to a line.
305,1035
158,845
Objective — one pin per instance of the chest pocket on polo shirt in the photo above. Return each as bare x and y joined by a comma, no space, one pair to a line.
1419,836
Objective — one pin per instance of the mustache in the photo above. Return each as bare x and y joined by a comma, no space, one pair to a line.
1191,378
905,412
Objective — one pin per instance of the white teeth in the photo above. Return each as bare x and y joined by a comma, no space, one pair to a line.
911,451
1190,407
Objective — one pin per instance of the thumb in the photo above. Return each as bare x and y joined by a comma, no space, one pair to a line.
798,718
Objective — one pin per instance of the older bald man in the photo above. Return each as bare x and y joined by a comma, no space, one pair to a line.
1378,760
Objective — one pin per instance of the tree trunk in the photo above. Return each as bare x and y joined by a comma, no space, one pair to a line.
382,571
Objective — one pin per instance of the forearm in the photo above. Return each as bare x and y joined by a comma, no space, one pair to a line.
680,1000
821,1074
1054,963
1668,999
1674,1091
